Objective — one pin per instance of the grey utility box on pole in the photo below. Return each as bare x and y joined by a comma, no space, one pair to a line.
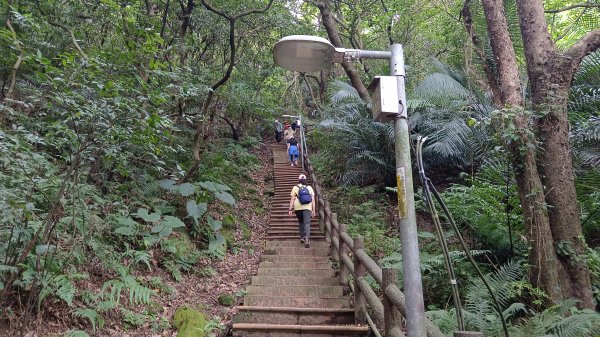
385,98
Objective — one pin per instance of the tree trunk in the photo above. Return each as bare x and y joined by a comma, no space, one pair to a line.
545,270
550,74
334,37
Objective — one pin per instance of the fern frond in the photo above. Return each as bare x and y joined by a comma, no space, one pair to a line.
91,315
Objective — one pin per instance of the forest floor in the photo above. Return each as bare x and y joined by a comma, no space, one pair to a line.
228,276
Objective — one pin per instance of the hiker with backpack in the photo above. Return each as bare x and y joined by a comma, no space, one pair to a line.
293,153
302,202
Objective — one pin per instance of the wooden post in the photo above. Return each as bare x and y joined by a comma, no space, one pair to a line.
343,251
468,334
391,315
332,252
327,221
360,301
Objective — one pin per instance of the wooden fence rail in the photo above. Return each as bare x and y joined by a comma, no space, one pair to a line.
384,315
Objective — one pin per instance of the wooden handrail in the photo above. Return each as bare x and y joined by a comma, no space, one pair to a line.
388,312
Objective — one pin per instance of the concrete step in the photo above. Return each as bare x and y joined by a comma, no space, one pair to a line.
295,243
287,316
319,280
286,218
290,224
297,251
292,229
293,258
279,330
296,272
293,291
297,265
295,237
297,302
314,234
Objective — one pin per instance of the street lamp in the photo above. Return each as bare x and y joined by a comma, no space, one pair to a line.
310,53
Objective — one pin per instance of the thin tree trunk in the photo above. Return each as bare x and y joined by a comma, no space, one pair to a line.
202,131
545,271
550,74
334,37
487,69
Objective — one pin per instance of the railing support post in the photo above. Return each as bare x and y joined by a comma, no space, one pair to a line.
343,251
334,233
391,316
360,301
327,220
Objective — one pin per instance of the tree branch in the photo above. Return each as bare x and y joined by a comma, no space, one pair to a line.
466,15
564,9
586,45
13,75
202,130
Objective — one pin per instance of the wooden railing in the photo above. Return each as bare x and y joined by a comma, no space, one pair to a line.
384,315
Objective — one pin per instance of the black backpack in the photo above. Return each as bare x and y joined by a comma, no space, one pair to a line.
304,195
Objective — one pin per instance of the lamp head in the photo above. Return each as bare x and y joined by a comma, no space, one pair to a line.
303,53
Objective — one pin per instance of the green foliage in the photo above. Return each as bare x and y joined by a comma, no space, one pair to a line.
76,333
450,110
59,286
132,319
91,315
138,294
488,207
352,146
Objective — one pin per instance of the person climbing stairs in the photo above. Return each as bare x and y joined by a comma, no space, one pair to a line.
295,292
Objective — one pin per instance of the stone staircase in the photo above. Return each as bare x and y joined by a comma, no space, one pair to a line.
295,292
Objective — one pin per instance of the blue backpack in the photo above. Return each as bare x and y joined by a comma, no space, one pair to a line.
304,195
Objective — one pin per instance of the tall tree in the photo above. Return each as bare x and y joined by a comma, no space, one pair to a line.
202,134
544,173
334,36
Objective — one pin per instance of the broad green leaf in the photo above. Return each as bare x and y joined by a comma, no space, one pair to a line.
43,249
150,239
195,211
214,224
125,231
157,228
225,197
165,232
186,189
209,185
126,221
172,222
217,246
168,184
152,217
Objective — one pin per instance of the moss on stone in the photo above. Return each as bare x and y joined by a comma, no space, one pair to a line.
245,231
229,221
229,236
179,244
226,299
189,322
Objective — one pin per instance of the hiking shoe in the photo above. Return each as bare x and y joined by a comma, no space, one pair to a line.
306,244
302,239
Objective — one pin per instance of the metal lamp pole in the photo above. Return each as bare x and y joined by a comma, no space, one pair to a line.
309,53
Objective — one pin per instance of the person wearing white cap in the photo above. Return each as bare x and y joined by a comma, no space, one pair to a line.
302,202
